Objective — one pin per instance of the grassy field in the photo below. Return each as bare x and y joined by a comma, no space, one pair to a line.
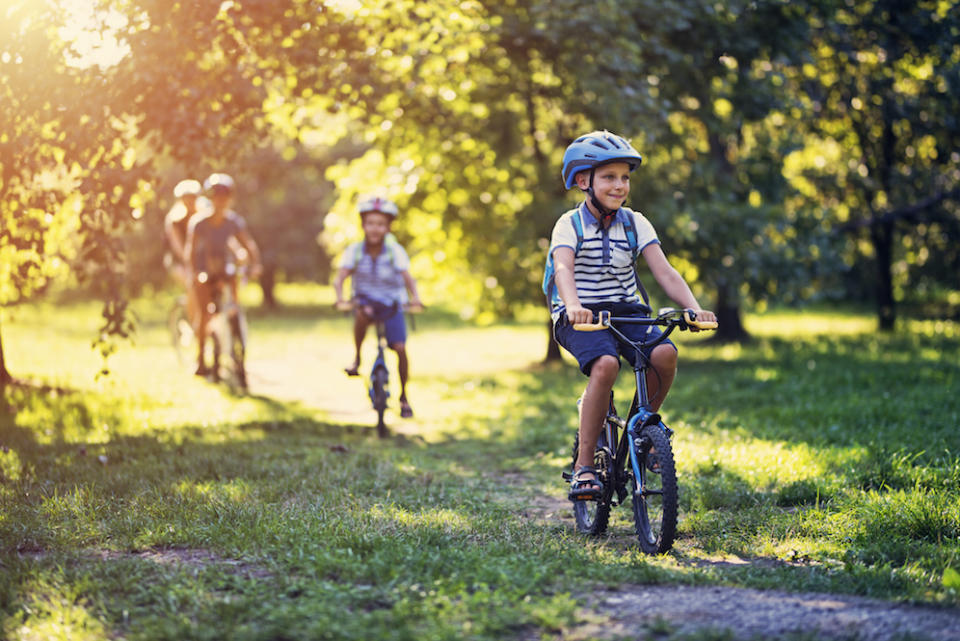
153,505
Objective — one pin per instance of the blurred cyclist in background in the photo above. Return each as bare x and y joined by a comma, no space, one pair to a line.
216,241
175,224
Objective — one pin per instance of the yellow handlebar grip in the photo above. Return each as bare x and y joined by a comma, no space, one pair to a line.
602,323
698,324
589,327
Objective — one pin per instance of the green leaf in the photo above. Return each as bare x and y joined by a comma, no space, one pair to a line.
951,579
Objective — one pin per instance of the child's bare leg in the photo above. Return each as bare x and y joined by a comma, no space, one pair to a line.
235,294
193,314
593,409
203,323
360,325
403,365
664,360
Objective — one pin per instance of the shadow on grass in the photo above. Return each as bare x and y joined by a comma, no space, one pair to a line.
259,478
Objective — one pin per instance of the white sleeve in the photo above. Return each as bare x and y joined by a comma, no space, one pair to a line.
646,234
347,260
564,235
400,259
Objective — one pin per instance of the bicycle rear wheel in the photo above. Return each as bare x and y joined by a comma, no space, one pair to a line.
238,349
378,395
592,516
655,493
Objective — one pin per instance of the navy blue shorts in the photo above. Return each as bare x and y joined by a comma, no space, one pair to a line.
587,347
393,320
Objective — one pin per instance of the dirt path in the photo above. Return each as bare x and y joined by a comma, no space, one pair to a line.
668,611
640,611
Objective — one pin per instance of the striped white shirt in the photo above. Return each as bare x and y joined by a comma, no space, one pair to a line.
603,268
379,279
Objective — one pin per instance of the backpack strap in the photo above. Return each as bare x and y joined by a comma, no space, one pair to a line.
549,273
630,227
578,228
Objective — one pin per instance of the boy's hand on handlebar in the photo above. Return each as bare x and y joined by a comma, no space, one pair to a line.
577,314
701,319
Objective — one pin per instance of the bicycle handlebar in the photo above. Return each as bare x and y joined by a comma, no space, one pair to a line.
349,306
684,319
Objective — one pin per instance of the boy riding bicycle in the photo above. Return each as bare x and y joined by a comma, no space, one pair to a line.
212,259
175,226
590,267
380,278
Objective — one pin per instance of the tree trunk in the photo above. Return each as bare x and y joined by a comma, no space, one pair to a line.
730,324
5,377
882,236
553,348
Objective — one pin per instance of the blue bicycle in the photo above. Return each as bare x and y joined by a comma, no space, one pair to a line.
378,388
642,439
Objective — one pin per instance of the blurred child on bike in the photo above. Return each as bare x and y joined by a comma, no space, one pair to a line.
175,225
592,263
379,270
212,257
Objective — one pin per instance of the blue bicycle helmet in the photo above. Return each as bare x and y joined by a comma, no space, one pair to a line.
596,148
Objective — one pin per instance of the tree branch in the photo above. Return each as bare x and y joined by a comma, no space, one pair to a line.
908,212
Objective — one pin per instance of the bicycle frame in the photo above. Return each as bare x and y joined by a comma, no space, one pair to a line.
639,415
379,372
226,323
378,390
646,439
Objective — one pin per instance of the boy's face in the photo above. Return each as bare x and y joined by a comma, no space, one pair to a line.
611,183
221,198
375,226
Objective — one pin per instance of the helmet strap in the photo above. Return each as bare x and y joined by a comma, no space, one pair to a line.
605,213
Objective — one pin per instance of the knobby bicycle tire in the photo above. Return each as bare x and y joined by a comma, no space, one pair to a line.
378,394
592,516
655,494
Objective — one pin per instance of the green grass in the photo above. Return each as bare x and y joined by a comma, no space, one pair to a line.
149,505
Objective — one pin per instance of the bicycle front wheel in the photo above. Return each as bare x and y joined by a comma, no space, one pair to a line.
378,395
592,516
655,492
